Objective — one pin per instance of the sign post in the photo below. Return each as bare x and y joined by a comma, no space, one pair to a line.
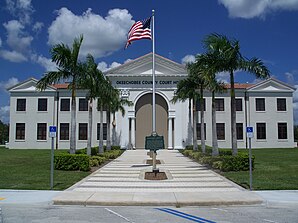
52,133
250,134
154,143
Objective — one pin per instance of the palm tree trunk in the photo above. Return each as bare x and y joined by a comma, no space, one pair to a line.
195,117
114,131
203,146
214,132
100,146
108,130
89,128
189,124
233,116
73,126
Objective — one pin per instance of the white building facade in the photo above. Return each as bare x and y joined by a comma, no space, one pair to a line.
266,106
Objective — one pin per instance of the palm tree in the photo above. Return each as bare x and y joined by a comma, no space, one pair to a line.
69,68
197,71
206,63
229,59
187,90
116,104
92,81
104,95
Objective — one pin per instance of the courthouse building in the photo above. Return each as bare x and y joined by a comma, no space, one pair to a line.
266,106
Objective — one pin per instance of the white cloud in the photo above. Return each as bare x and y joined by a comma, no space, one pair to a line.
128,60
4,114
12,56
102,35
103,66
37,27
115,64
16,38
9,83
21,9
0,42
256,8
223,77
188,59
44,62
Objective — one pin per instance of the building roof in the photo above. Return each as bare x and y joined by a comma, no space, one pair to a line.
239,86
60,86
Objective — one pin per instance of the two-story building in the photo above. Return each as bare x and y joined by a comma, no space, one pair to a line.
266,106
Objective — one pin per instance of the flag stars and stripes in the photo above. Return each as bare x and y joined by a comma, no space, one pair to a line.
139,30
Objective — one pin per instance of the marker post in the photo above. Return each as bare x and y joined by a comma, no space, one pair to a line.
250,134
52,134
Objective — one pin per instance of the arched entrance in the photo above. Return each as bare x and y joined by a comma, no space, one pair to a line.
144,119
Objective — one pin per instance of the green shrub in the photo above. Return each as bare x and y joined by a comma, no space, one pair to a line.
94,151
217,165
97,160
112,154
225,162
72,162
225,152
189,147
236,163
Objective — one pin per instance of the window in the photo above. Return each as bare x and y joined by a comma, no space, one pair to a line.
282,131
220,129
219,104
20,131
239,104
261,130
83,131
41,131
83,104
104,131
64,131
198,108
21,104
199,131
260,104
65,104
42,104
239,131
281,104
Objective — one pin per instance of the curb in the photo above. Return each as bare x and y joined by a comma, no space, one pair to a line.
157,199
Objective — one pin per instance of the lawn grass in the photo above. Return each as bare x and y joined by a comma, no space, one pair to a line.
275,169
30,169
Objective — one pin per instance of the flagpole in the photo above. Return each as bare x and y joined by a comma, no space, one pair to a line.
153,77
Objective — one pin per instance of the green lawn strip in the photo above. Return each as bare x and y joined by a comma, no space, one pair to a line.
30,169
275,169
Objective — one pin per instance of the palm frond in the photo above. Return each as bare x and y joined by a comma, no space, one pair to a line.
256,67
49,78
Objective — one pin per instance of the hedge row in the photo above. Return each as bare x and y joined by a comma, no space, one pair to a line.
94,150
223,162
83,162
72,162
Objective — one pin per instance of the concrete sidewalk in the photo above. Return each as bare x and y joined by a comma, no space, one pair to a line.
121,182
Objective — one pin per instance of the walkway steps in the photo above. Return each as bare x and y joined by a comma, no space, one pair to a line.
121,182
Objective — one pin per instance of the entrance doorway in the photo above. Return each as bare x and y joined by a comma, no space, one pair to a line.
144,119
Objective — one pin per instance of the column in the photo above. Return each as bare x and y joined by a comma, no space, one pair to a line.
170,134
133,132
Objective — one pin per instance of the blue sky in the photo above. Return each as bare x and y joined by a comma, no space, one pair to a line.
28,29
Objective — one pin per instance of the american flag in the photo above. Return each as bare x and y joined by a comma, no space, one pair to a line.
139,30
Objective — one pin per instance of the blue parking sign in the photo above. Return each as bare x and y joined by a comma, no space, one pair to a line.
249,132
52,132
